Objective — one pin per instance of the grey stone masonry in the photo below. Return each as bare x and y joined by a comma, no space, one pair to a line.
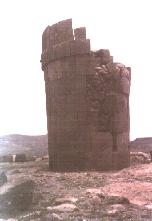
87,102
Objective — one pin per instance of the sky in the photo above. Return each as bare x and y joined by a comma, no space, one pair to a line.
122,26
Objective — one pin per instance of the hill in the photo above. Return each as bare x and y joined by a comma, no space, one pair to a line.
17,143
141,145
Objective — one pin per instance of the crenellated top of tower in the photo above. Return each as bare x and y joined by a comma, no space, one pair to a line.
60,40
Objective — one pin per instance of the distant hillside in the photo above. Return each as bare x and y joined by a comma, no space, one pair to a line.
37,145
16,143
141,144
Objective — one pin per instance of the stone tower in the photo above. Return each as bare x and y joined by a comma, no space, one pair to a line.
87,102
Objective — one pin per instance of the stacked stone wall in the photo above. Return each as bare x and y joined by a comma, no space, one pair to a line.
87,100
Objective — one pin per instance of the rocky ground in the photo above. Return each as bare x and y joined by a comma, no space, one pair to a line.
108,196
29,191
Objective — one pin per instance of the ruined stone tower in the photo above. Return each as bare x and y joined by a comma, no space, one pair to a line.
87,100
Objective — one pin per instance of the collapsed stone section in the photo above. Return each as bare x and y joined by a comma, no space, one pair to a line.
108,91
87,100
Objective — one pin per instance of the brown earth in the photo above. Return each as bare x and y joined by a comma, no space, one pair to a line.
114,195
88,196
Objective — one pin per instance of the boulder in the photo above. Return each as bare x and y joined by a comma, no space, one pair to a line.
66,199
97,196
139,157
35,215
116,209
16,195
95,202
3,178
116,200
52,217
65,207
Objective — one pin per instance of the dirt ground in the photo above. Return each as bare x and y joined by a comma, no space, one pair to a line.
81,196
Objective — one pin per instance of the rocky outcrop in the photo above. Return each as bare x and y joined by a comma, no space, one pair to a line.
16,195
3,178
139,158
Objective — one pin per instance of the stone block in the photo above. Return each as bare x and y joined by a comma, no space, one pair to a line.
66,67
43,43
61,50
64,31
120,119
16,195
113,113
56,51
120,122
65,24
66,161
129,70
120,160
52,36
123,141
45,38
83,64
51,54
120,103
103,57
80,47
101,161
45,59
125,85
101,142
65,35
80,33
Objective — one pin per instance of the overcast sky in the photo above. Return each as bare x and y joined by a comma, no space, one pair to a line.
123,26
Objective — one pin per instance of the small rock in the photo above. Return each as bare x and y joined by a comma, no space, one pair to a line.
117,208
3,178
38,159
94,191
56,216
31,216
66,199
12,172
52,217
98,68
65,207
95,202
148,206
46,157
139,157
117,200
30,158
